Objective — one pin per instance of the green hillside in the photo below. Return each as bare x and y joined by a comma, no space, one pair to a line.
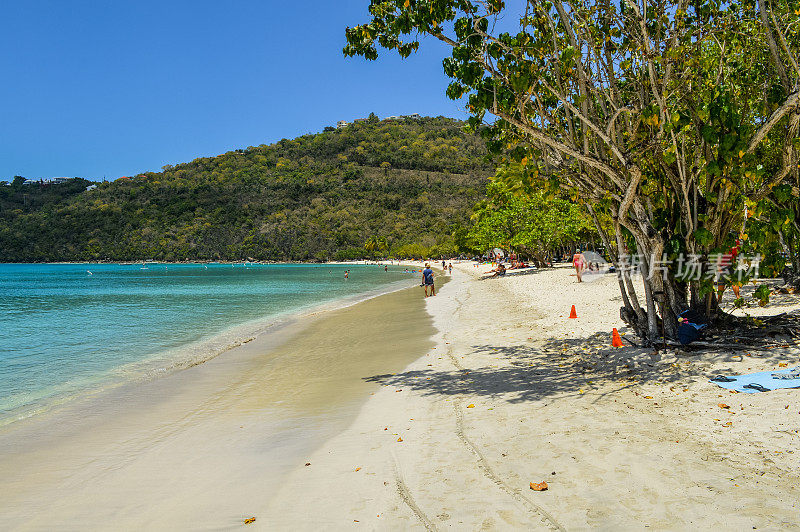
372,188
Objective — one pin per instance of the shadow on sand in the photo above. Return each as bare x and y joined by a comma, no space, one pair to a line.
569,366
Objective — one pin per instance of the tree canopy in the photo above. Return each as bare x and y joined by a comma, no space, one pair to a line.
533,224
677,119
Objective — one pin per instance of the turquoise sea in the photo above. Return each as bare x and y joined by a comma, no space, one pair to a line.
68,329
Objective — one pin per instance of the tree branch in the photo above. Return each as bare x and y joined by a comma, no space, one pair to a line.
788,106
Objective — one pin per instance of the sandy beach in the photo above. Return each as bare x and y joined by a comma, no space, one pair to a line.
206,447
514,392
437,413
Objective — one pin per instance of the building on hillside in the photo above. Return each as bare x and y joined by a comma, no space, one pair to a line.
414,116
340,124
359,120
49,181
91,187
392,118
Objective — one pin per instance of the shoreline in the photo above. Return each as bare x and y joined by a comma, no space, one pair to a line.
464,400
189,354
514,392
241,421
362,262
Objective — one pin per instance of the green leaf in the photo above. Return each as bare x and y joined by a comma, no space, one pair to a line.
709,134
568,54
714,169
703,236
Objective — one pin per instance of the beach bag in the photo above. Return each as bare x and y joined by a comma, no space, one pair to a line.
693,316
687,333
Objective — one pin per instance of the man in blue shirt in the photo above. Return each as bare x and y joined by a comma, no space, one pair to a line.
427,280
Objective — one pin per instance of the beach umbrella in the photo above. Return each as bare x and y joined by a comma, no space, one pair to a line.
596,266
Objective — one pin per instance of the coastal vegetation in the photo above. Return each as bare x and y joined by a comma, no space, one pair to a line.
677,122
532,224
399,188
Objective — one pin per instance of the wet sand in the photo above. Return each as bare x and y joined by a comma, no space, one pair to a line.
515,392
206,447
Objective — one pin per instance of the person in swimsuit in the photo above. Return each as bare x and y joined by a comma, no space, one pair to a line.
427,281
498,272
579,262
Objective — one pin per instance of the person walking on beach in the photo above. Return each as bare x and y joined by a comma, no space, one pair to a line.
427,281
450,268
579,262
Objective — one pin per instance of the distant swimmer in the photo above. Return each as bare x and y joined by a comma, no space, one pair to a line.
90,273
386,268
347,274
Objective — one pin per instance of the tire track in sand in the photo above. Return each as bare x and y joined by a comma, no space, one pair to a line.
547,519
407,498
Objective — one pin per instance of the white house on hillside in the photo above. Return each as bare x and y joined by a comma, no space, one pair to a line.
49,181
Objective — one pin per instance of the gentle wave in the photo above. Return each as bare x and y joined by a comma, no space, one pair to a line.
40,370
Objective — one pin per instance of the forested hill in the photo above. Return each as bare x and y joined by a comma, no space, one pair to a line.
400,187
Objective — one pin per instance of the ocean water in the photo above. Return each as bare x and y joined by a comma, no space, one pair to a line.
69,329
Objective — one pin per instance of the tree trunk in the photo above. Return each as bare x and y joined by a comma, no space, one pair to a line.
631,312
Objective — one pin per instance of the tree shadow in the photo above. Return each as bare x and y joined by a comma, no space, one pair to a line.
777,299
560,368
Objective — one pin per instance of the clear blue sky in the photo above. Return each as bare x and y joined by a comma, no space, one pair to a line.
95,89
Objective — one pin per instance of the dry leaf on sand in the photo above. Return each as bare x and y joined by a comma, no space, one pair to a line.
541,486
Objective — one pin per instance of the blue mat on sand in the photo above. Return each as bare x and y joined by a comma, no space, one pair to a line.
763,378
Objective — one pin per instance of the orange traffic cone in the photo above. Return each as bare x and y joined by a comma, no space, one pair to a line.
616,341
572,313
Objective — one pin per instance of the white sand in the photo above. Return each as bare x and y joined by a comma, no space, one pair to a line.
206,447
624,438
